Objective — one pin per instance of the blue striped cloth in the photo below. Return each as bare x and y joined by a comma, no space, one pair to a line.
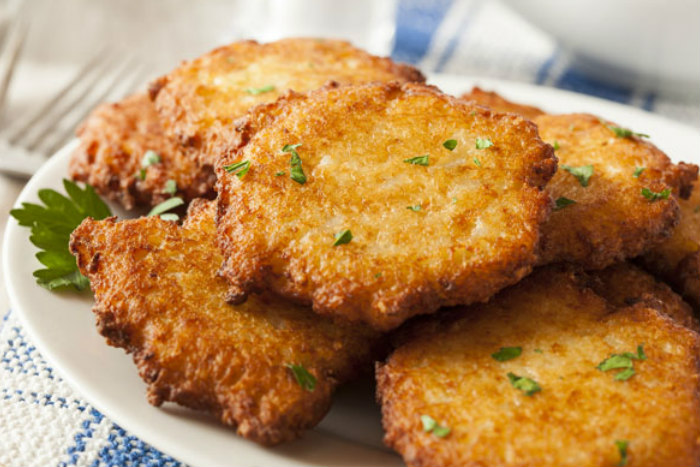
474,37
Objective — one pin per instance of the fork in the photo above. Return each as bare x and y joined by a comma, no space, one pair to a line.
26,144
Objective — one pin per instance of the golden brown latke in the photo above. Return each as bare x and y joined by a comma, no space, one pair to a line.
455,231
200,99
565,330
494,101
677,260
113,141
158,297
611,219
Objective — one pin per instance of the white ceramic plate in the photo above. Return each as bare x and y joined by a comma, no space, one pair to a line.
62,327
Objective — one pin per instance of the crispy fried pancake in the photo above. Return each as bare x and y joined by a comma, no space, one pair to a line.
158,297
677,260
454,231
447,372
200,99
494,101
113,141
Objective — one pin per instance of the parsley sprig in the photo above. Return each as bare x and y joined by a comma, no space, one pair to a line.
623,361
526,385
296,172
654,196
51,225
305,379
432,426
583,174
622,445
562,202
507,353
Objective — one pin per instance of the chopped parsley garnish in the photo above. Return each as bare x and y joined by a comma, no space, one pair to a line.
654,196
342,237
454,200
638,171
51,224
280,173
418,160
239,169
165,206
141,174
477,162
562,202
507,353
431,426
624,361
582,174
473,113
483,143
262,90
170,187
149,158
538,351
415,208
527,385
296,172
305,379
625,133
555,145
169,216
378,275
450,144
622,445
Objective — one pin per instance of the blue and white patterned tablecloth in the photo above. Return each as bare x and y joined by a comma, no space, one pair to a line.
44,422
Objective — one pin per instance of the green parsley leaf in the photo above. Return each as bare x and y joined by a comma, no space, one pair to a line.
296,172
450,144
477,162
483,143
149,158
378,275
624,375
623,361
165,206
51,224
280,173
305,379
169,216
418,160
527,385
507,353
441,431
415,208
582,174
538,351
342,237
622,445
431,426
262,90
141,174
555,145
239,169
654,196
170,187
638,171
562,202
625,133
473,113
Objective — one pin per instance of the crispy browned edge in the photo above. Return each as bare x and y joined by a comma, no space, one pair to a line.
496,102
541,172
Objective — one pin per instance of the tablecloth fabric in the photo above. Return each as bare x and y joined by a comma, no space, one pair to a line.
44,422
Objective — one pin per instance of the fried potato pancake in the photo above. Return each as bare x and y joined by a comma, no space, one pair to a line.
551,405
430,226
158,297
113,142
200,99
677,260
494,101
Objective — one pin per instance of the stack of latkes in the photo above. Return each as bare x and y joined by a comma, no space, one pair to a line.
485,259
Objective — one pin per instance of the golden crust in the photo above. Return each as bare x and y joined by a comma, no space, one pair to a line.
158,297
113,141
199,100
611,220
494,101
476,231
446,371
677,260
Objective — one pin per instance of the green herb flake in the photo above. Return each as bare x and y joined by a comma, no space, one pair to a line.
170,187
239,169
305,379
450,144
280,173
583,174
625,133
483,143
473,113
431,426
538,351
562,202
527,385
296,172
415,208
342,237
622,445
51,224
141,174
507,353
555,145
262,90
169,216
654,196
418,160
638,171
149,158
477,162
378,275
624,361
165,206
